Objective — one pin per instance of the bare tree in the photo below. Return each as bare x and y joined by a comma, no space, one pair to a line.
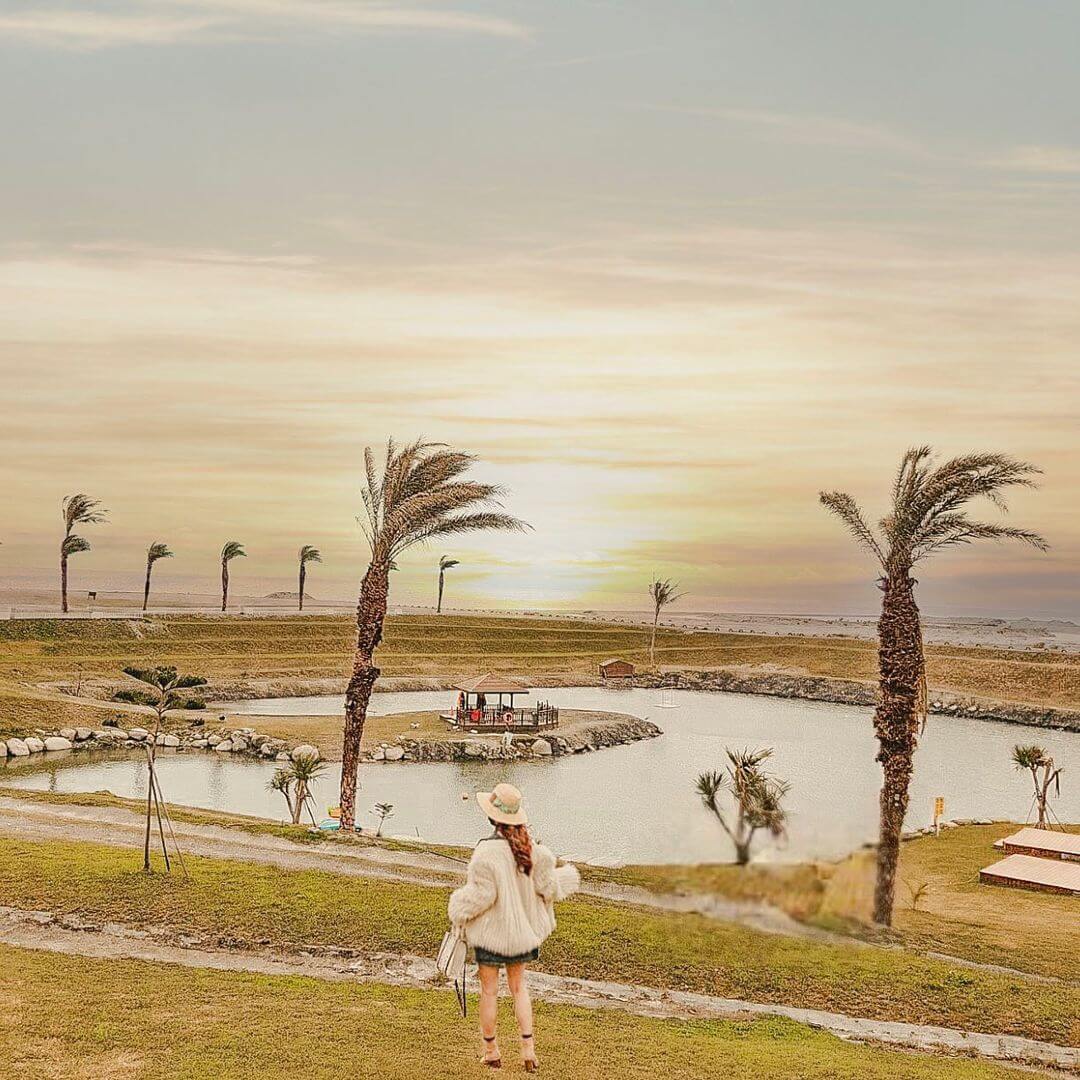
445,563
233,549
927,515
307,554
1044,775
154,552
662,593
417,495
76,510
756,795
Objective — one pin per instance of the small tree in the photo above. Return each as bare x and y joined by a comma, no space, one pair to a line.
663,593
1044,774
445,563
76,510
303,771
154,552
383,810
757,797
307,554
233,549
282,781
165,690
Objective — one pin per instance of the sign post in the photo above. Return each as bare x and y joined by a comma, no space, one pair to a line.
939,813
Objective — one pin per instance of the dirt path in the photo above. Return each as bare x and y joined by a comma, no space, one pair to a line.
73,936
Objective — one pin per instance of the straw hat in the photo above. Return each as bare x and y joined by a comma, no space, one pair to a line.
503,805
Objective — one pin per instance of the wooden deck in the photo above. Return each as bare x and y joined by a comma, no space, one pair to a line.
1033,872
1046,843
493,720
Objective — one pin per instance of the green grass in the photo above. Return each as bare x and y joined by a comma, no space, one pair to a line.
251,903
141,1021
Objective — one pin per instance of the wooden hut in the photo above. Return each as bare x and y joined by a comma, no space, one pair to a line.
616,669
487,704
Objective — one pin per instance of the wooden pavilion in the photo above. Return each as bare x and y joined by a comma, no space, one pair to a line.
476,711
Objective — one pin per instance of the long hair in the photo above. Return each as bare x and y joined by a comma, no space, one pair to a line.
517,836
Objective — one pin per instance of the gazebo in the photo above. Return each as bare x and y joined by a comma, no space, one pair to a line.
475,710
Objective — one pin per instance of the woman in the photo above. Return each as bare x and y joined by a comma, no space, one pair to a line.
506,910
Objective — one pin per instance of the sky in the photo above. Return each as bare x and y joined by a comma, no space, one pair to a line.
668,269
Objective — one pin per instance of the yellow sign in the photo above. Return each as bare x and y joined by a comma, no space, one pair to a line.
939,806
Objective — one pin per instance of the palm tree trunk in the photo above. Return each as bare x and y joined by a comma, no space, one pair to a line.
370,613
63,584
298,806
146,588
303,574
652,640
902,672
438,609
224,586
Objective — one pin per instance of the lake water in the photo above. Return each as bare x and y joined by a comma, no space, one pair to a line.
632,803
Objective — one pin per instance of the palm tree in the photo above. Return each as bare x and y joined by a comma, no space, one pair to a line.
307,554
282,781
419,496
303,770
757,796
154,552
927,516
233,549
1035,760
445,563
662,593
76,510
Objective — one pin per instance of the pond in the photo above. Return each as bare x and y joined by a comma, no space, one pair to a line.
631,803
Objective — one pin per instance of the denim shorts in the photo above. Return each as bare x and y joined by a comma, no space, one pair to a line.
494,959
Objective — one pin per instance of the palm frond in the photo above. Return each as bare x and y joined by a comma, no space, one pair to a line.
72,544
453,526
81,509
664,592
309,554
445,562
847,510
158,550
233,549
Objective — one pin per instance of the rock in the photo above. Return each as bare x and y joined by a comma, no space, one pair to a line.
259,741
213,740
34,744
283,756
475,750
113,735
170,740
199,744
17,748
138,734
541,748
239,745
82,734
391,753
267,750
67,733
305,750
379,755
57,742
3,749
224,746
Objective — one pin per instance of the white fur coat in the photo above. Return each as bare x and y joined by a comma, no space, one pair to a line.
503,910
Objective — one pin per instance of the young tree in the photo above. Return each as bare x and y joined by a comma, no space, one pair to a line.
233,549
383,810
1044,775
154,552
303,771
757,798
927,515
282,781
418,495
165,689
307,554
662,593
76,510
445,563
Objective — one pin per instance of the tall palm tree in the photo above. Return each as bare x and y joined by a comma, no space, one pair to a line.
76,510
663,593
307,554
155,551
233,549
420,496
445,563
927,516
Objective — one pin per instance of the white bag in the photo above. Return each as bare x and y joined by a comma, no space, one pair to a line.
451,962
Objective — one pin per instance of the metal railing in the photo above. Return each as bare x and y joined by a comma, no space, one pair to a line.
540,717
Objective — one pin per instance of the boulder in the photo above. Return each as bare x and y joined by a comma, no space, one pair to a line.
283,755
34,744
305,750
391,753
224,746
259,741
17,748
199,744
3,749
541,748
475,750
138,734
82,734
213,740
170,740
379,755
67,733
239,745
268,749
57,742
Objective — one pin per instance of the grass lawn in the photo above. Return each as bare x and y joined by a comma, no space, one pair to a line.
596,939
142,1021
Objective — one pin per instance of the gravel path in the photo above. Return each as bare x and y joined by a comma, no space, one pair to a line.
73,936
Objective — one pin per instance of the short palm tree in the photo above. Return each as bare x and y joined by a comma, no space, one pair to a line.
233,549
758,799
662,593
307,554
418,494
303,771
1044,775
154,552
281,781
927,515
445,563
76,510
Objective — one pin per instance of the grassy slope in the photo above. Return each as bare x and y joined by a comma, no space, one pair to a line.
596,939
209,1025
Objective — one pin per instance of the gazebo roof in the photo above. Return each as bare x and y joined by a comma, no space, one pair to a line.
492,684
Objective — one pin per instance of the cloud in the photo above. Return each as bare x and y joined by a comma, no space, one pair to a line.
1042,160
165,22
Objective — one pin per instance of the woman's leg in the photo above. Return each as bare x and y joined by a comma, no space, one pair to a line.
515,979
489,1009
